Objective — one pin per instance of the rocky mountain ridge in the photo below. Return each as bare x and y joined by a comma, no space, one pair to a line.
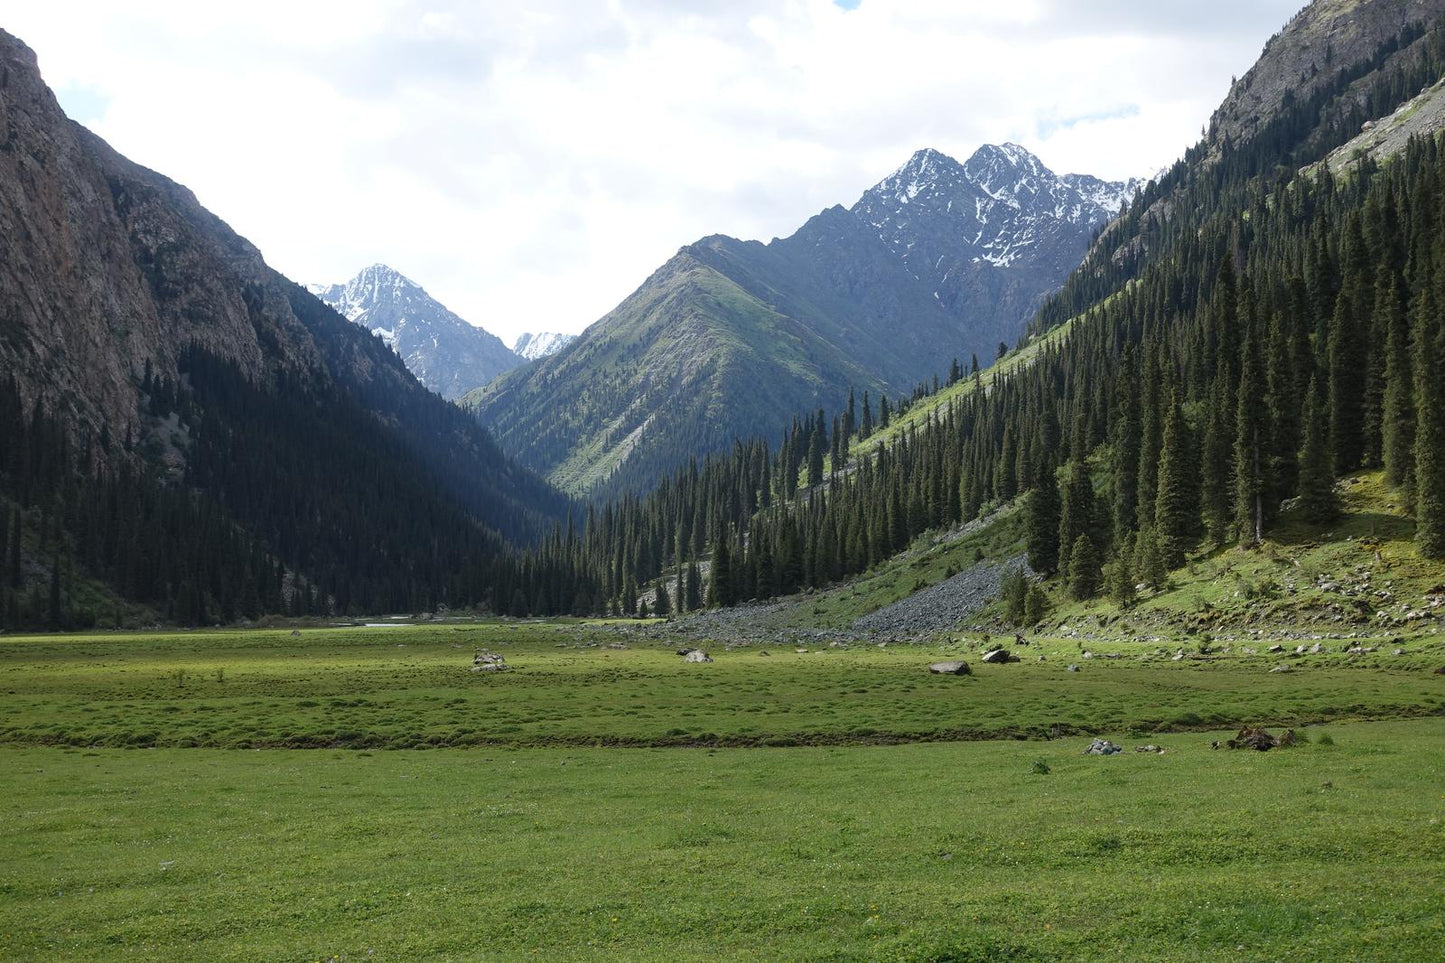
533,346
940,260
447,354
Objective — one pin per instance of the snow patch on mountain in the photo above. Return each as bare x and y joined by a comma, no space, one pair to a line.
1001,206
540,345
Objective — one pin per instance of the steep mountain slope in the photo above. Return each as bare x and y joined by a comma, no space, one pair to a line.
151,335
446,354
941,260
533,346
1307,55
687,363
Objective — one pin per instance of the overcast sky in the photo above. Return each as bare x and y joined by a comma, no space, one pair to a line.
531,162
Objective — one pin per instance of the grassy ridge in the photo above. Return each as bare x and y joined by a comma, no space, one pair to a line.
939,852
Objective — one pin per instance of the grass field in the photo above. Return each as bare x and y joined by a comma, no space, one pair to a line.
618,803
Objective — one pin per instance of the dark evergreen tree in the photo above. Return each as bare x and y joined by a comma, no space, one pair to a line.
1043,524
1317,501
1084,569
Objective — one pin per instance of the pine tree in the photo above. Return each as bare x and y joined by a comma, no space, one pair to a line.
1036,605
1317,502
1013,589
1121,574
1429,433
1077,509
720,583
1399,414
662,605
1148,560
1084,573
1043,523
1250,482
1176,507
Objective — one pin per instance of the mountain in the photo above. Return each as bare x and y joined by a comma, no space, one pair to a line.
1242,385
446,354
735,338
993,235
152,359
534,346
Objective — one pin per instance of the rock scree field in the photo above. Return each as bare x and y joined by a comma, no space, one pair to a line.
359,793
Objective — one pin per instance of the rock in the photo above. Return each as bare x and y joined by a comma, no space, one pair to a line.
1151,747
1316,649
950,668
696,655
1178,656
1253,738
1398,652
999,656
765,652
1101,747
1283,668
1276,648
617,645
801,651
1073,668
1087,655
484,661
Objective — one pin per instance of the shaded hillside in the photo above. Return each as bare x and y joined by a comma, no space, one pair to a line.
141,337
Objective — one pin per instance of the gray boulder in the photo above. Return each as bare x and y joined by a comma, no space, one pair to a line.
950,668
696,655
1102,747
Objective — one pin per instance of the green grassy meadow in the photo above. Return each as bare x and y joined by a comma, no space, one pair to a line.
593,802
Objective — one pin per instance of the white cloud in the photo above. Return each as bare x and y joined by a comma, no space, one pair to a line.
531,163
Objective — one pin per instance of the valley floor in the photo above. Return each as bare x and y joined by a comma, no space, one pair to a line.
600,802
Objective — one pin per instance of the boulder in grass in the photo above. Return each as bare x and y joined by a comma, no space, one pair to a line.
950,668
696,655
999,656
1102,747
488,662
1283,667
1254,737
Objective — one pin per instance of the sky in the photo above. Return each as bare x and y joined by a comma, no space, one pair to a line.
530,163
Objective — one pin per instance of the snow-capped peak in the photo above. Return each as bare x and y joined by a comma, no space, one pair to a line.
540,345
445,352
1002,206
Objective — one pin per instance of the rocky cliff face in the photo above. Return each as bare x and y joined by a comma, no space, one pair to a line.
1319,41
105,266
448,355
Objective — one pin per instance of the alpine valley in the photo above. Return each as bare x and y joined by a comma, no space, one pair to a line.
731,338
1011,566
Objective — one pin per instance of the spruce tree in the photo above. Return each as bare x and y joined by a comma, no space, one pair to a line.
1317,502
662,605
1121,574
1176,509
1077,509
1036,605
1399,414
1084,573
1043,523
1429,433
1250,482
720,581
